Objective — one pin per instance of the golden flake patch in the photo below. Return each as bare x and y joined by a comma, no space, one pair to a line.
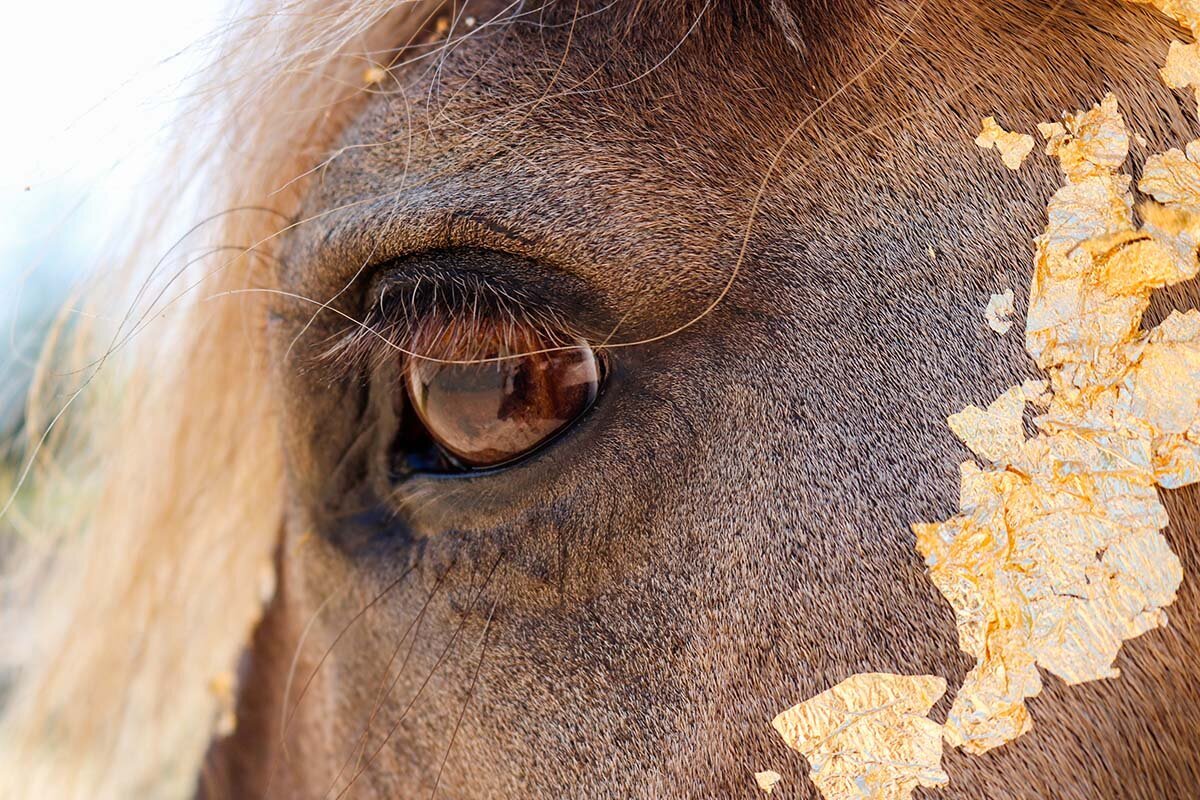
1056,557
1012,147
997,433
1185,12
1173,178
998,310
767,780
1182,70
869,738
1090,143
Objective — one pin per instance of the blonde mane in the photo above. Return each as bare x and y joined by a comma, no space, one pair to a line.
125,613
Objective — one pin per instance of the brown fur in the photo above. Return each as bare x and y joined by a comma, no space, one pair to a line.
726,534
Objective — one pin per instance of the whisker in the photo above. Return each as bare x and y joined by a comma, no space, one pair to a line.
470,695
211,251
386,688
290,717
295,662
421,689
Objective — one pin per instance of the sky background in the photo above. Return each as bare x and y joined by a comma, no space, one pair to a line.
87,88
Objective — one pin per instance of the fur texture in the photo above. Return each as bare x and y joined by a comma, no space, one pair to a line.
726,533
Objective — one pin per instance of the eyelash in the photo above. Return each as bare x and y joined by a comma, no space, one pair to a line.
451,317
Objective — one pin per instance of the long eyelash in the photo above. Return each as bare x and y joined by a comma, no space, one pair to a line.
453,317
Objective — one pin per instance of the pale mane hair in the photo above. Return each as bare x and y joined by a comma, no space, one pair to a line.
129,600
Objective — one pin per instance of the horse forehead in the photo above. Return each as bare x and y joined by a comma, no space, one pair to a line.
662,161
685,125
645,176
661,167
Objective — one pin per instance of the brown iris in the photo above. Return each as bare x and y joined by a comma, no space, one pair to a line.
487,413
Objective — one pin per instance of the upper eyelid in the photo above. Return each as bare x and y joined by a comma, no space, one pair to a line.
457,280
382,243
368,236
405,297
363,238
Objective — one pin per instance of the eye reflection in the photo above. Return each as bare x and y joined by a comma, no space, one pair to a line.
489,413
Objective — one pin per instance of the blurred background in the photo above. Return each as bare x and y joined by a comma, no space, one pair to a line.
88,90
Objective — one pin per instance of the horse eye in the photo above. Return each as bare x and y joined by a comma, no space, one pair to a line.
489,413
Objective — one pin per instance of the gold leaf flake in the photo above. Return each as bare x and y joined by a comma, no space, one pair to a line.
1185,12
995,434
999,308
1013,147
373,75
1049,130
767,779
1090,224
1182,70
1056,557
1173,178
1162,389
1089,143
869,738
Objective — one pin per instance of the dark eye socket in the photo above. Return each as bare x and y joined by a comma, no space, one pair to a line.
489,413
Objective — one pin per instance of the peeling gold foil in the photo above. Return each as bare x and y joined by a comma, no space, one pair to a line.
1182,70
1057,556
767,780
1185,12
1173,178
868,738
1090,143
1012,147
995,434
998,310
